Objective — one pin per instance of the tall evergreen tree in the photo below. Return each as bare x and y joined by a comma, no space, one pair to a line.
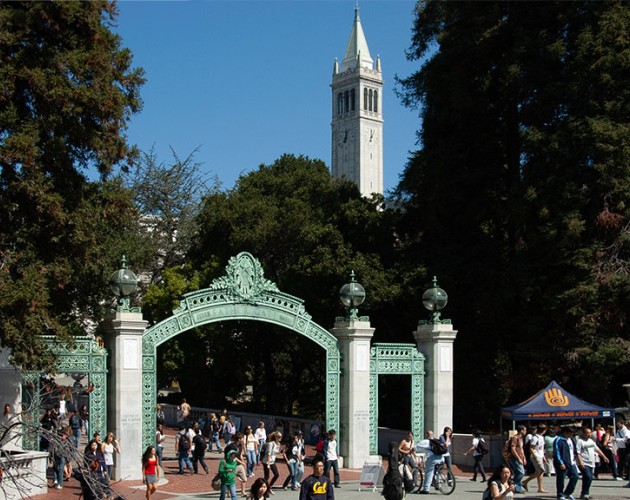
519,197
68,89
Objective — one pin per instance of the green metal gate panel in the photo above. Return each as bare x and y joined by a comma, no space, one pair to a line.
397,359
83,355
242,294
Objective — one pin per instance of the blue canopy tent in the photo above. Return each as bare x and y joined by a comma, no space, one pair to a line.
555,403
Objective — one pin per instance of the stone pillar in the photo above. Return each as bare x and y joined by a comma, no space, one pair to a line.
124,401
435,341
354,398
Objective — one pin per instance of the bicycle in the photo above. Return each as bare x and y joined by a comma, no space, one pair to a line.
443,478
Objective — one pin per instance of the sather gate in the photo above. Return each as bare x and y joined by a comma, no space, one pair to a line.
242,294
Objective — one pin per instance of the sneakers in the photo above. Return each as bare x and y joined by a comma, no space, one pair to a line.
618,478
58,487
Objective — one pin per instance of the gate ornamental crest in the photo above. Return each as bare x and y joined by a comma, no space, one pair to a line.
243,293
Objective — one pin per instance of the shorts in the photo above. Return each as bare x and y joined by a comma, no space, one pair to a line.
151,478
538,464
240,473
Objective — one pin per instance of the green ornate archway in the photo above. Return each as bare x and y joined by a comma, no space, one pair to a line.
242,294
83,355
397,359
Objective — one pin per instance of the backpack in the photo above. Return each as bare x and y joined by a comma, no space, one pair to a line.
200,443
75,422
482,446
184,443
437,447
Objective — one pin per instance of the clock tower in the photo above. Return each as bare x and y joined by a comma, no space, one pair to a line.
357,115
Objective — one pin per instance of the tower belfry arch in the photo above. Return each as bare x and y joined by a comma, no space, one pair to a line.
243,293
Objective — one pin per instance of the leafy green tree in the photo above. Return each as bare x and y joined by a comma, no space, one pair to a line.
68,89
518,198
308,230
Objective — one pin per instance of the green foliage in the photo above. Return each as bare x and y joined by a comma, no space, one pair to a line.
519,196
67,91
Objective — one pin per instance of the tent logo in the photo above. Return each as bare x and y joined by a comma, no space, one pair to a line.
554,397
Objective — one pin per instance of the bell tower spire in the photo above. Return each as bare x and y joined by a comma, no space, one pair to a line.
357,115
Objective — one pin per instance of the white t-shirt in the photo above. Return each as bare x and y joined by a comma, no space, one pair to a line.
108,453
331,450
537,445
586,449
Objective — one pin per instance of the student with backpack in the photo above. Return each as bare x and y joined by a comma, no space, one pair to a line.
433,457
183,445
199,452
478,448
76,424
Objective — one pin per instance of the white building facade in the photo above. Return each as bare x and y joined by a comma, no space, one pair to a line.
357,115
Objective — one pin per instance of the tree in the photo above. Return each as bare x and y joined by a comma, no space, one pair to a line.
169,197
308,230
68,91
519,195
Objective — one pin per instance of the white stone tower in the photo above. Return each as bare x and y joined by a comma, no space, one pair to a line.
357,115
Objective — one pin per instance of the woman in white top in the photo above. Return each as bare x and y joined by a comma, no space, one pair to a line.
272,448
261,435
499,485
109,447
251,447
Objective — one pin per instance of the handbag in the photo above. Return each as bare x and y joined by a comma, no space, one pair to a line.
216,482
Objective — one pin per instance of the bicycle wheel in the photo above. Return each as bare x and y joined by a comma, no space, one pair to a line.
446,482
417,479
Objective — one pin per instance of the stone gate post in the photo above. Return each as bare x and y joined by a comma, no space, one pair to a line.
435,341
124,408
354,338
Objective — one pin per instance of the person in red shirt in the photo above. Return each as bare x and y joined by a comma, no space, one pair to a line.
150,470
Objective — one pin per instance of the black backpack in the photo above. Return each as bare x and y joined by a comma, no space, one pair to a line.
200,443
75,421
184,443
437,446
482,447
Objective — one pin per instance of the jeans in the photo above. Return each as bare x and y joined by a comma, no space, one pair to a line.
587,479
430,470
261,448
335,466
224,488
572,473
182,459
77,436
215,439
519,471
159,451
252,460
58,466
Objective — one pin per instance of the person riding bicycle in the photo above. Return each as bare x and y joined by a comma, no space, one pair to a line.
406,451
431,460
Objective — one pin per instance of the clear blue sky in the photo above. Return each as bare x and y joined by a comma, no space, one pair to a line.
246,81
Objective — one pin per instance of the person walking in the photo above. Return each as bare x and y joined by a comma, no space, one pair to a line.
622,437
261,435
160,437
610,450
331,457
317,486
537,455
150,471
565,463
586,449
477,456
514,456
227,472
251,448
183,445
269,459
215,428
199,446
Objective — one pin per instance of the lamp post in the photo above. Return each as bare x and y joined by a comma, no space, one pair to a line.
434,300
124,284
352,296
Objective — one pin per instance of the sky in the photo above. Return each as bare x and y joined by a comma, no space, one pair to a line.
243,82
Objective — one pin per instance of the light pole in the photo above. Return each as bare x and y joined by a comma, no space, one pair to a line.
352,296
434,300
124,284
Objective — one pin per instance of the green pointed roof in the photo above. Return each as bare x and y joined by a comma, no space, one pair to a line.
357,51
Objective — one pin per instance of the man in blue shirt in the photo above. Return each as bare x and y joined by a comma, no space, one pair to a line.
565,463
